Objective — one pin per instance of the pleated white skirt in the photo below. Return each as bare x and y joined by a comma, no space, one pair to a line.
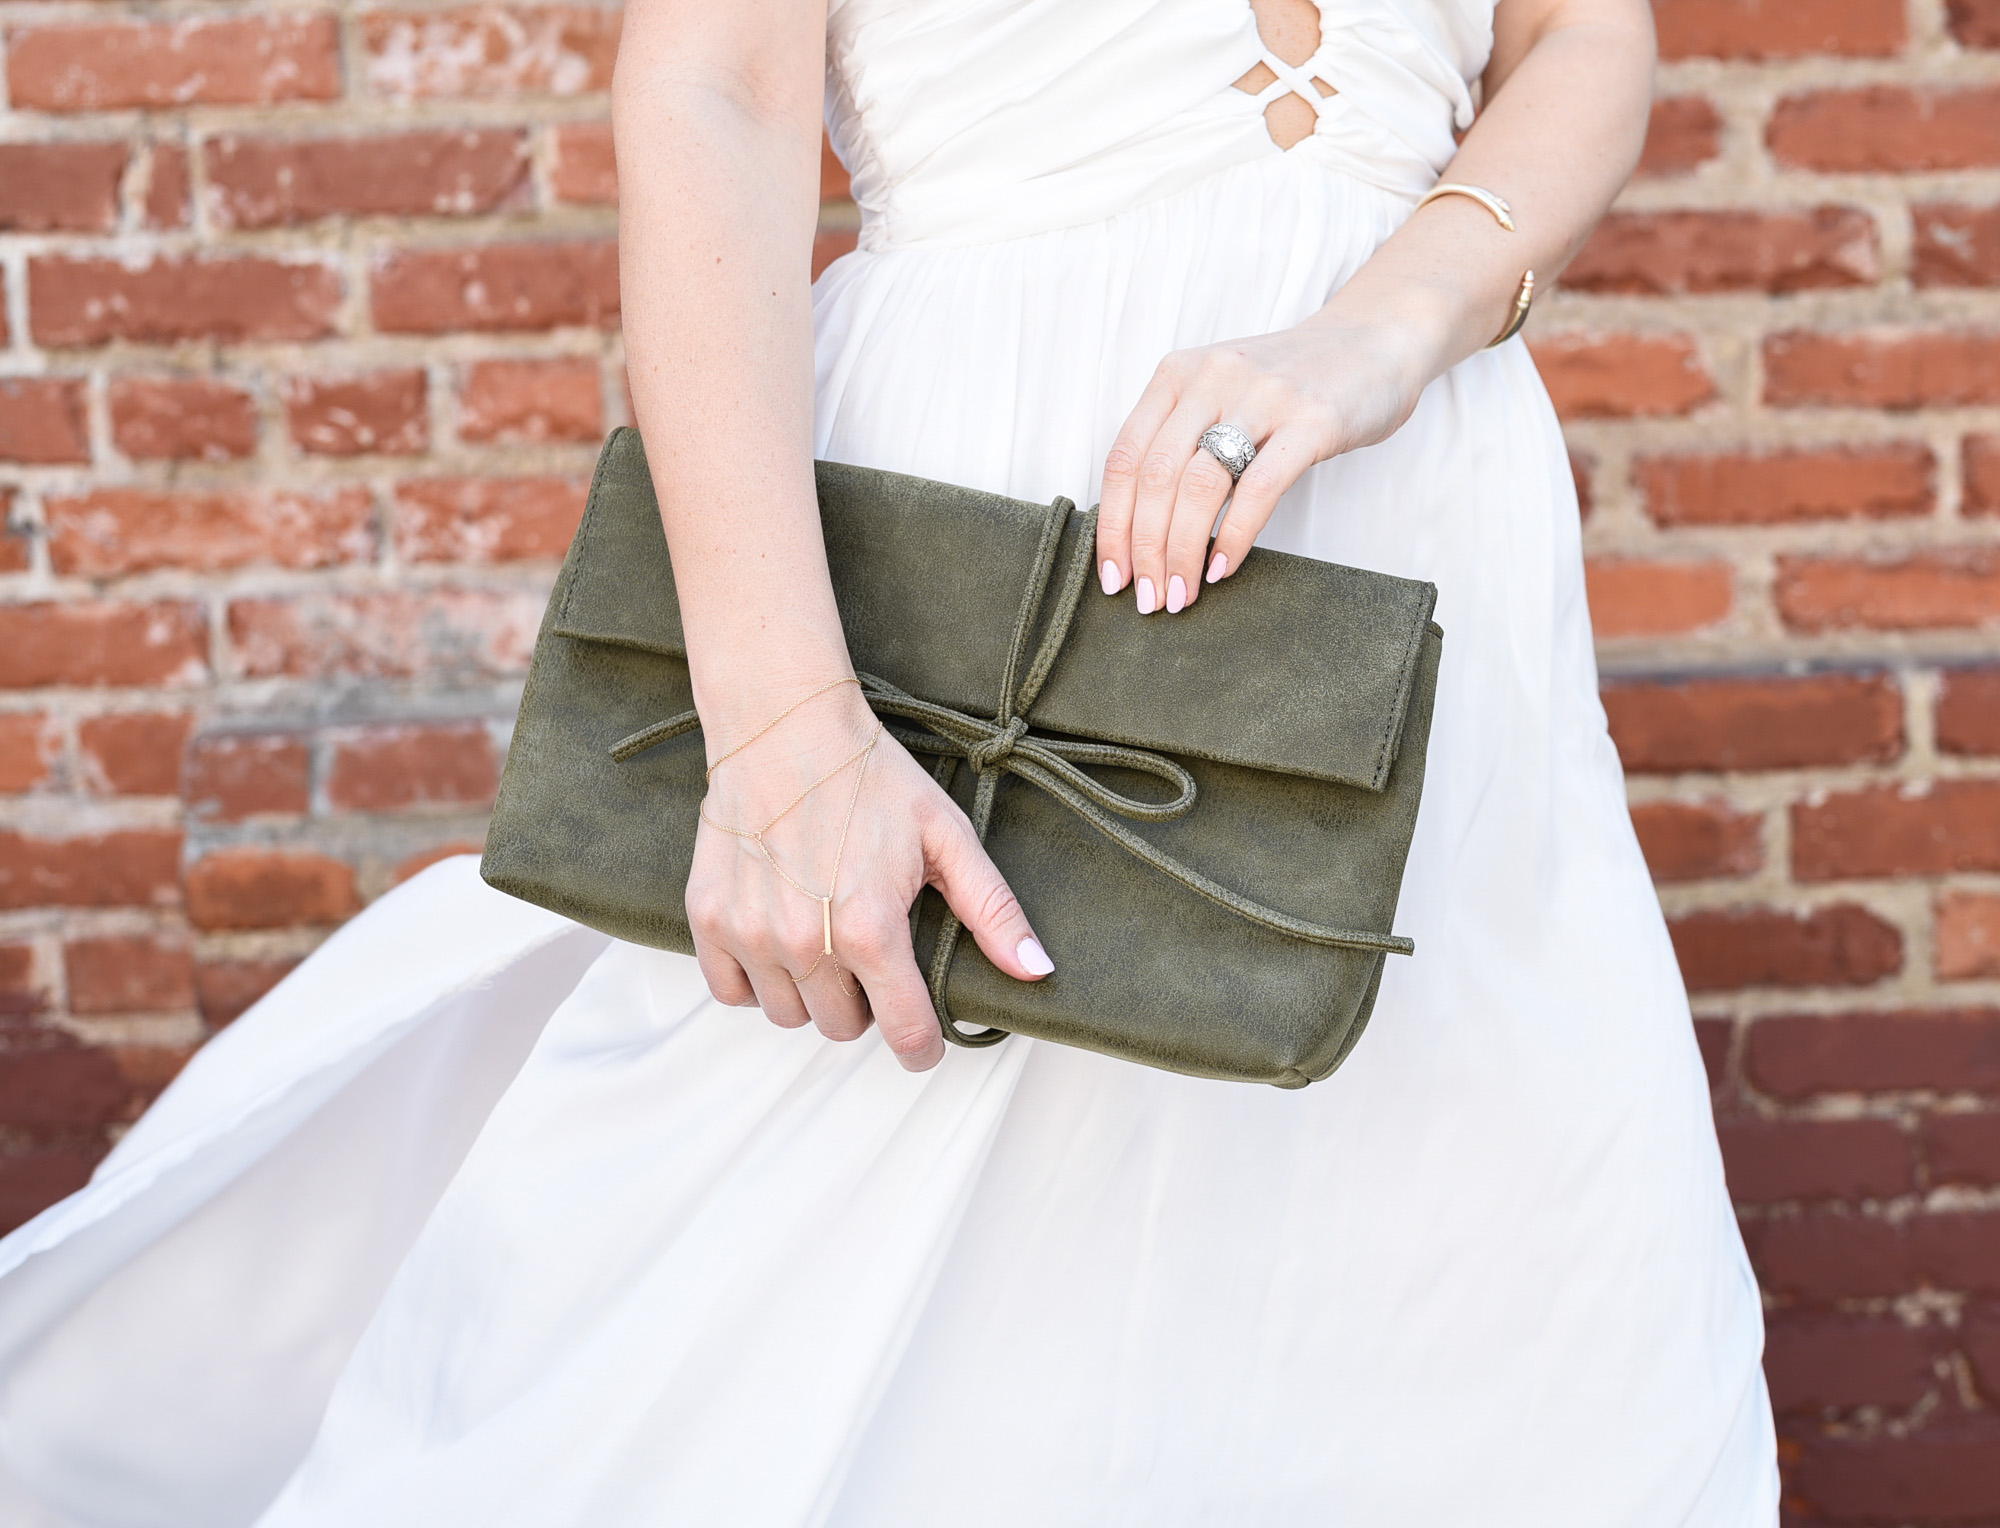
483,1218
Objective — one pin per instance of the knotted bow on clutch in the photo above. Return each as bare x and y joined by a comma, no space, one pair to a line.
1236,928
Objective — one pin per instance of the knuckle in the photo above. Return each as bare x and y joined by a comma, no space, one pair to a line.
994,904
1121,462
1258,483
1207,475
1158,473
869,941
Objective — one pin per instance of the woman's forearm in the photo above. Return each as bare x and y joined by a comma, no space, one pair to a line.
716,119
1568,96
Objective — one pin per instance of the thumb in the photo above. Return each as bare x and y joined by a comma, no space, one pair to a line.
957,864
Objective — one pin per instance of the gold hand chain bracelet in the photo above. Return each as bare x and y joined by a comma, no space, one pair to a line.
756,835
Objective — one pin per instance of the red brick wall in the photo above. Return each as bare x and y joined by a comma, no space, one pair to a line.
309,331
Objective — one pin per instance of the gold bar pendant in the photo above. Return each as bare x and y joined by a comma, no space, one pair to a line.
826,923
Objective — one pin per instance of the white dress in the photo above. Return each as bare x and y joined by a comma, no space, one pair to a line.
482,1218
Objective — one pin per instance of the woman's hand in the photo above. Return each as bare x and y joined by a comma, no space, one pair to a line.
1302,395
754,933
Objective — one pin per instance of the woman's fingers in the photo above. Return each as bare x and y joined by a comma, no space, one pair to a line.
957,864
1279,463
1205,485
1122,467
778,995
1166,462
833,998
885,966
727,981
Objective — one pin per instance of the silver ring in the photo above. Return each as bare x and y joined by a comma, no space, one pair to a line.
1230,446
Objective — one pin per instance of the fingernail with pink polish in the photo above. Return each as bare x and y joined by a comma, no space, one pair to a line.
1034,959
1113,582
1217,568
1176,595
1146,602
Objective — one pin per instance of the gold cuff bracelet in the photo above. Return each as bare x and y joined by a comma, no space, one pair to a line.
1504,216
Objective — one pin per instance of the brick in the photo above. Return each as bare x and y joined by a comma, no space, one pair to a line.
1622,376
182,419
423,859
829,244
1882,831
42,420
390,635
1759,29
490,50
194,61
224,989
129,974
1964,1148
558,399
169,298
1770,1161
1683,133
1979,1339
52,1084
1583,472
1698,840
1780,487
1825,1362
585,168
1713,1037
138,867
1727,950
1925,591
164,642
1975,23
166,203
231,776
29,746
33,1179
1821,1257
1755,723
1957,1249
1887,128
497,287
133,753
22,995
60,187
483,520
1896,371
1631,597
112,532
1676,253
259,182
1981,458
834,184
1955,246
1969,711
269,888
386,769
1940,1473
1968,936
384,413
1951,1050
14,537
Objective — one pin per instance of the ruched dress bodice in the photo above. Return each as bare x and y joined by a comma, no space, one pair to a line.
968,121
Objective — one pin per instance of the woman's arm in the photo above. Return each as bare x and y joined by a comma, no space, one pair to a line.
716,115
1567,91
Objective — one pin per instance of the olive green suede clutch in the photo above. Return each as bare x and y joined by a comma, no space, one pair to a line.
1205,816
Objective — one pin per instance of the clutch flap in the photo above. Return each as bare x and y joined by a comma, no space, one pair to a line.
930,580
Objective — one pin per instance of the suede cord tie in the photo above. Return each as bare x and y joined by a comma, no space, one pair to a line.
1003,745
